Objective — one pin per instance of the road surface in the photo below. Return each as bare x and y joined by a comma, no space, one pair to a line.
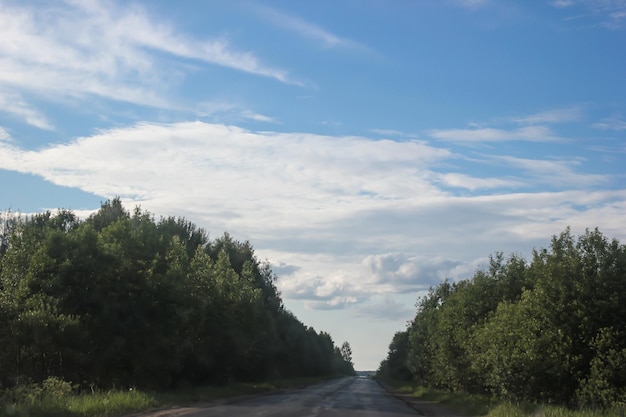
347,397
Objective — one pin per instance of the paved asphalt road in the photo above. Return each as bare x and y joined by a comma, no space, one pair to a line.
347,397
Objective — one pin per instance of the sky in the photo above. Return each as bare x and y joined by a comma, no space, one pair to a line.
368,149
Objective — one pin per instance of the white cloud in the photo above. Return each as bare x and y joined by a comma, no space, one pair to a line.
562,3
528,134
133,25
308,29
409,273
258,117
150,161
343,218
388,309
468,182
387,132
102,49
551,116
533,128
471,4
611,123
392,132
559,173
15,105
612,13
337,290
4,135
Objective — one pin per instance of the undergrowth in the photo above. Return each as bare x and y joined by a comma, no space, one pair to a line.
479,405
57,398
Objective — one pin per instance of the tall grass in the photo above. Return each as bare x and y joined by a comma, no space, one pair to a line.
57,398
99,404
478,405
471,405
541,410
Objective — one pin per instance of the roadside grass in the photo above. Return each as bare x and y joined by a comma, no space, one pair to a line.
479,405
542,410
471,405
98,404
33,401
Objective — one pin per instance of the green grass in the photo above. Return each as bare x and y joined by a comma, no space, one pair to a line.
530,410
477,405
99,404
471,405
36,402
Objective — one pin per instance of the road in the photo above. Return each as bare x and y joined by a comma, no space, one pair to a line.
347,397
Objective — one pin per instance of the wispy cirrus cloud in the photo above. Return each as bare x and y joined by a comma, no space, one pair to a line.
561,3
527,134
226,112
468,182
471,4
107,50
533,128
611,123
611,13
4,135
567,114
15,105
257,117
555,172
309,30
393,133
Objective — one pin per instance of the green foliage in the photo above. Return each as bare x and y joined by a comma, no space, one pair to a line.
488,406
345,357
465,404
519,353
29,398
394,366
55,397
533,410
38,400
122,300
606,382
551,330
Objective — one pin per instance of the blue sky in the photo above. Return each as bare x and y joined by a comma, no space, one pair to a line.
368,149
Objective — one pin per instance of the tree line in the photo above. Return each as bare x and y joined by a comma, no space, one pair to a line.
120,300
549,330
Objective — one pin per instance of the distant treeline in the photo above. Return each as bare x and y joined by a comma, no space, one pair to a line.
121,300
549,330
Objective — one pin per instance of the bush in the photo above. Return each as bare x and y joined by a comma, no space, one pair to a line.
56,387
26,395
606,383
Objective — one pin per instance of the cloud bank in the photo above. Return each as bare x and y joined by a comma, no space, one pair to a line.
343,218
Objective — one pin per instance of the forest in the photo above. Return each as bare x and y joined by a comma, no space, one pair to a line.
122,300
550,330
